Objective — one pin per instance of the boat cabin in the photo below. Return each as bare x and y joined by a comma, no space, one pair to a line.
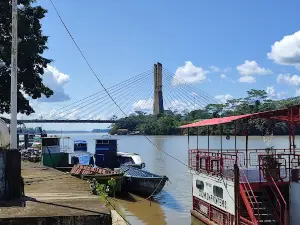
246,186
132,159
106,153
55,151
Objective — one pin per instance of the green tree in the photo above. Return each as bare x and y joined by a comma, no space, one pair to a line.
31,45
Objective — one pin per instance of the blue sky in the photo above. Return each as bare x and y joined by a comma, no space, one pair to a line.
124,38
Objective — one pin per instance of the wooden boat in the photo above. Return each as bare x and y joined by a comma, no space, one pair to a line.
142,182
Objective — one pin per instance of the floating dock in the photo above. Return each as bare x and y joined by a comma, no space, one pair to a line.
54,197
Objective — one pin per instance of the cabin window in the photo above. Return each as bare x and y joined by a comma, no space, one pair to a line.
200,185
50,142
102,141
218,191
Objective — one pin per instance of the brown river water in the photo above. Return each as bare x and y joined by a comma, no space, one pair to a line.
173,204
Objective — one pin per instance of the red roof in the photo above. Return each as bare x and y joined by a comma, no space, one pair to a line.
281,114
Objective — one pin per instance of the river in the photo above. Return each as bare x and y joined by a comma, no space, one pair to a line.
173,204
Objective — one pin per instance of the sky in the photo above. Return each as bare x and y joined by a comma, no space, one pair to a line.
222,47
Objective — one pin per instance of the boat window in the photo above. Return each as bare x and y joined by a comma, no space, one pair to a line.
50,142
218,191
200,185
102,141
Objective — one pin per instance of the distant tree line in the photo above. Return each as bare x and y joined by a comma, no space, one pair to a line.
168,123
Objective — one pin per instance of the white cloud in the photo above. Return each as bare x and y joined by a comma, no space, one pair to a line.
270,91
293,80
143,104
226,70
287,50
223,76
281,95
215,69
189,74
247,79
56,81
252,68
223,98
297,92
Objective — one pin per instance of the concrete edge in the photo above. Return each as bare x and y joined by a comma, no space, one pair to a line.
116,218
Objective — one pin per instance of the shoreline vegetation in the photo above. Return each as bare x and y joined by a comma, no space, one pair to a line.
168,123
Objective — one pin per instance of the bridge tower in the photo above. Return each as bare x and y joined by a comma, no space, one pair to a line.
158,104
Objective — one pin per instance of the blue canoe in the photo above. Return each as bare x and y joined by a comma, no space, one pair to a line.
142,182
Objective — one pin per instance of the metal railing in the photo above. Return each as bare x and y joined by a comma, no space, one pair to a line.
211,212
212,162
280,201
244,221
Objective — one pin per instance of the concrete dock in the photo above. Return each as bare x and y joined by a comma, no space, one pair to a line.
54,197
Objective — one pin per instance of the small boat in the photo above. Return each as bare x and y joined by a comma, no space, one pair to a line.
130,159
142,182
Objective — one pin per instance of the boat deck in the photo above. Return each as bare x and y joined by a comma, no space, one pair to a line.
253,175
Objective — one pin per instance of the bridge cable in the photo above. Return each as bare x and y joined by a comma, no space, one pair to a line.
130,91
117,88
116,85
121,92
187,84
187,98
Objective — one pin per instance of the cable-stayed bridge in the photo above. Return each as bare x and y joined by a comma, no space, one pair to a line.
156,91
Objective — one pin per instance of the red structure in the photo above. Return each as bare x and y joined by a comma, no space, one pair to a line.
245,186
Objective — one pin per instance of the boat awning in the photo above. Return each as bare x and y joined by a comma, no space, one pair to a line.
80,141
288,114
215,121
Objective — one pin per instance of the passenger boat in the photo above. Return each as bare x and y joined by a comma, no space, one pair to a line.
246,186
130,159
142,182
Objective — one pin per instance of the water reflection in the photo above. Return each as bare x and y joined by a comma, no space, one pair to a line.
169,201
138,210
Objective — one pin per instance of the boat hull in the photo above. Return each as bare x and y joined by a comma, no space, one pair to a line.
144,186
142,182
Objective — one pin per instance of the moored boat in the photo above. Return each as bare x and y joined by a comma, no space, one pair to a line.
130,159
247,186
142,182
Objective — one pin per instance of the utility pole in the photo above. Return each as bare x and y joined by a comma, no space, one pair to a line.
14,72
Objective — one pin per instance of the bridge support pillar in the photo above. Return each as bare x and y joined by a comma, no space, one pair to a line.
158,104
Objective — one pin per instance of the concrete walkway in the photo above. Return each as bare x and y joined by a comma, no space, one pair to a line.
54,194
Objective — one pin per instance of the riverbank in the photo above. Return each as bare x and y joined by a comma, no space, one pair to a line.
54,197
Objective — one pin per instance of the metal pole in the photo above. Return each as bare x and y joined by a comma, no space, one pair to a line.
235,141
14,68
197,138
208,138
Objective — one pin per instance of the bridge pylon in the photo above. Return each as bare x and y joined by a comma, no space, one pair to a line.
158,104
